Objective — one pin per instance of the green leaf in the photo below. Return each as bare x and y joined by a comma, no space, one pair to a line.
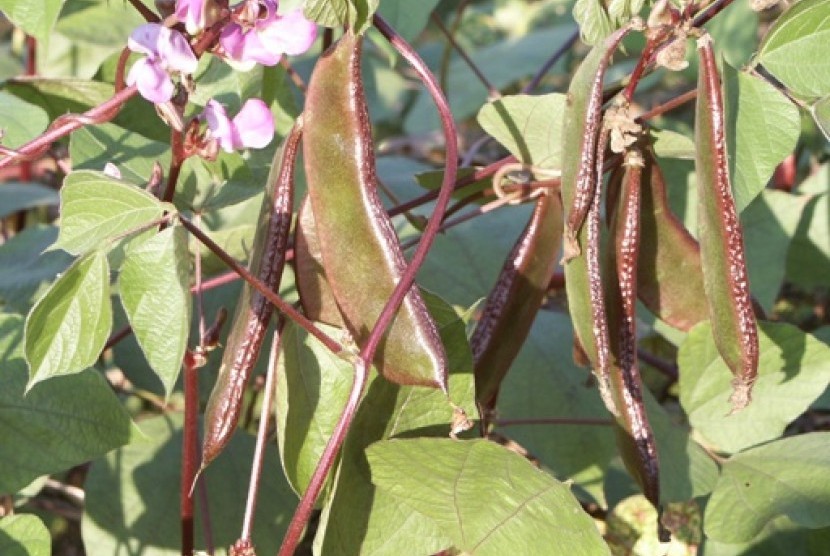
762,128
25,269
782,478
60,424
406,17
132,496
35,18
528,126
96,208
594,21
792,373
155,290
796,50
769,223
670,144
504,63
68,327
450,482
92,147
24,535
59,96
781,537
99,22
357,14
360,519
808,261
313,385
821,114
20,122
218,81
15,196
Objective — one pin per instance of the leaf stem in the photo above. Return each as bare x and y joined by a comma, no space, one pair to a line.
190,450
282,305
492,91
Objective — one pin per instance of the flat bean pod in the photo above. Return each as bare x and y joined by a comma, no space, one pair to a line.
725,276
513,303
361,252
253,312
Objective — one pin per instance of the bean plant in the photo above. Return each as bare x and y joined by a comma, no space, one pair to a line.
371,277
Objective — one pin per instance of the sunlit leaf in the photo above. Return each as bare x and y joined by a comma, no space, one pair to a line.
36,18
785,477
96,208
792,373
20,122
452,482
337,13
154,284
528,126
24,535
68,327
796,50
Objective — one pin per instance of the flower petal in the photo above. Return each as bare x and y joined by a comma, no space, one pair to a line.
192,13
254,124
152,81
175,51
290,34
245,46
145,38
221,128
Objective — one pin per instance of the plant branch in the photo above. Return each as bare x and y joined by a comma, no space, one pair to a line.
667,106
286,308
561,51
190,450
148,14
492,91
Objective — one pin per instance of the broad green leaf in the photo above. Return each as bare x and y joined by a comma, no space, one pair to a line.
360,519
528,126
796,50
25,269
24,535
155,290
670,144
99,22
230,179
452,482
68,327
782,478
781,537
762,128
61,95
92,147
769,223
594,21
821,114
632,527
407,17
504,63
313,385
218,81
57,425
357,14
36,18
96,208
793,370
808,261
20,122
15,196
132,496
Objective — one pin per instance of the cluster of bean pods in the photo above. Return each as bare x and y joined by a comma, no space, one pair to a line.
348,258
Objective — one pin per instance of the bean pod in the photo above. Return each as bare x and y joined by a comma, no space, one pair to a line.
361,253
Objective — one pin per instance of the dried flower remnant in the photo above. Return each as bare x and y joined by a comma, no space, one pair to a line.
259,35
624,129
252,127
165,51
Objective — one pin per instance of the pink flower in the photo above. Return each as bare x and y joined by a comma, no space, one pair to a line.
165,51
252,127
259,35
192,14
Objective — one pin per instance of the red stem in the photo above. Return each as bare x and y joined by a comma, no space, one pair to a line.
148,15
190,450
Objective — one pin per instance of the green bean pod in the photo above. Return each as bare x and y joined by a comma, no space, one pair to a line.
316,296
253,311
361,253
513,303
725,277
